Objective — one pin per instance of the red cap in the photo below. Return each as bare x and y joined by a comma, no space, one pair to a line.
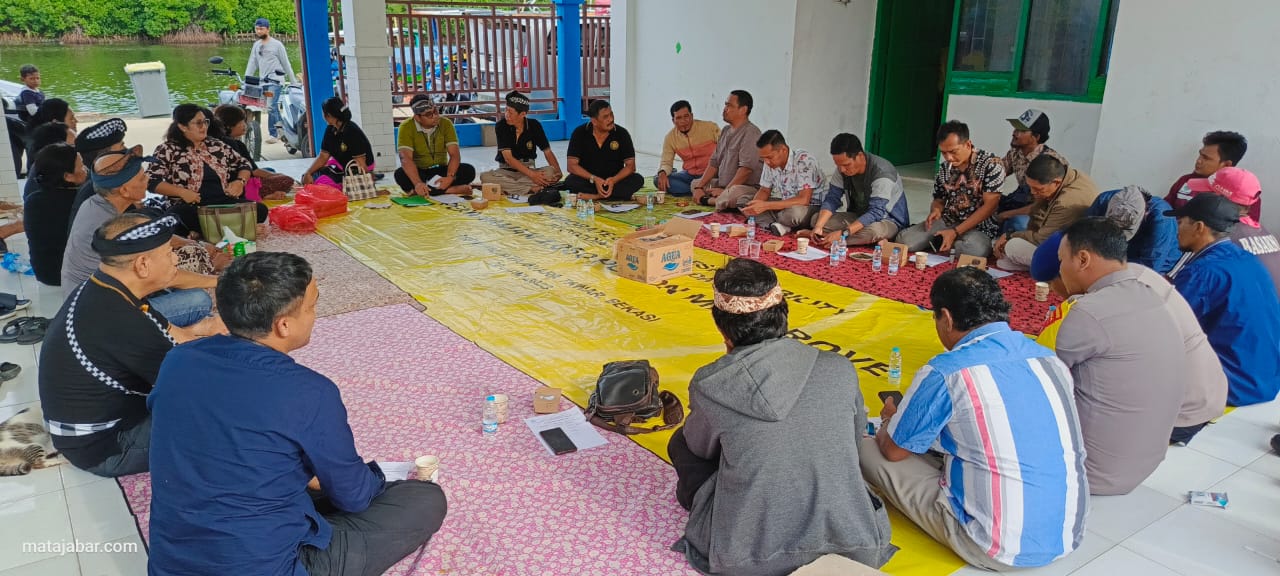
1237,184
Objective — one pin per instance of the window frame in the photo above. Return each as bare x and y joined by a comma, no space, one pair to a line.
1005,84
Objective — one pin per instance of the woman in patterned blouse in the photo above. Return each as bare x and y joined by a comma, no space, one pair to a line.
198,170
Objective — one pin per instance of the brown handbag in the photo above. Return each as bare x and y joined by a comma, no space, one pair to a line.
627,392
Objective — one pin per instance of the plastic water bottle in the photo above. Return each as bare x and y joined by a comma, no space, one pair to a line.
489,422
751,228
953,255
591,210
894,258
876,258
582,209
844,244
648,202
1048,316
569,200
835,252
895,365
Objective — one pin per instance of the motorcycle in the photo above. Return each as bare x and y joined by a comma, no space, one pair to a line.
294,123
248,94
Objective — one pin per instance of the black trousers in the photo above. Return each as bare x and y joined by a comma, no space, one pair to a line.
400,520
692,471
466,174
622,190
1184,434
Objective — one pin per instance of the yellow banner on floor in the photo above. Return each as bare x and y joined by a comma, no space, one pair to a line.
538,291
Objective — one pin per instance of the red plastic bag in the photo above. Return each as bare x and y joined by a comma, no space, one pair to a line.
325,200
293,218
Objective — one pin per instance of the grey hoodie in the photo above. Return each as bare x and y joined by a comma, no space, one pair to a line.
784,421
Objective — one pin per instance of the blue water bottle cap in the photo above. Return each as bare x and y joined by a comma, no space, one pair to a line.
490,398
896,349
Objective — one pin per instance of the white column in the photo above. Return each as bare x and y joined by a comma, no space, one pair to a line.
8,178
367,53
621,62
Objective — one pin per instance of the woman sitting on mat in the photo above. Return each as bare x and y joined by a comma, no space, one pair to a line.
55,179
343,142
205,171
229,126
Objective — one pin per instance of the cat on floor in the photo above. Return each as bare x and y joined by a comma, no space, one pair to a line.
25,444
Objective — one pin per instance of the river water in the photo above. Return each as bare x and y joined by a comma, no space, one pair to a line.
92,78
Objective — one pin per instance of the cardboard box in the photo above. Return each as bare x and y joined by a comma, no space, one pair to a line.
886,251
656,254
975,261
772,245
491,191
546,400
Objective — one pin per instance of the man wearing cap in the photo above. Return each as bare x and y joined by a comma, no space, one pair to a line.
1218,150
1152,236
269,58
602,159
1243,189
1010,489
429,148
121,182
769,416
519,139
103,350
1126,355
1030,131
694,141
1206,393
1062,196
1232,295
242,431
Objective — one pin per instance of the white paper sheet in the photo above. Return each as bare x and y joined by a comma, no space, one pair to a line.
449,199
620,208
526,210
574,424
396,470
695,215
518,199
932,260
434,182
998,273
809,256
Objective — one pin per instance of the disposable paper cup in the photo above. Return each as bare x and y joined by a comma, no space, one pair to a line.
715,229
802,245
1042,291
662,197
427,465
502,404
922,260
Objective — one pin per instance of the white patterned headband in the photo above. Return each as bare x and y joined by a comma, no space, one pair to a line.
141,238
748,304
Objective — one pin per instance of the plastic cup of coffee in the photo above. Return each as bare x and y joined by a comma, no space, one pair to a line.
922,260
426,465
502,404
1042,291
744,248
662,197
802,245
715,229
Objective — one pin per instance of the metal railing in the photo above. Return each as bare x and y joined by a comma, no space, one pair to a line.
467,56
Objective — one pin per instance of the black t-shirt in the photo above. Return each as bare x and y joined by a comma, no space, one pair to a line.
242,149
46,210
346,144
526,147
100,387
603,161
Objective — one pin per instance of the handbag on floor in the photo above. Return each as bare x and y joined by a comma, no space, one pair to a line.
241,218
357,183
627,392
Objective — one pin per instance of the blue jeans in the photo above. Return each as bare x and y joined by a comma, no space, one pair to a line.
182,307
1016,223
679,183
273,110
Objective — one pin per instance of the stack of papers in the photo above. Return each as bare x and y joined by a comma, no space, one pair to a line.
574,424
619,208
450,199
809,256
526,210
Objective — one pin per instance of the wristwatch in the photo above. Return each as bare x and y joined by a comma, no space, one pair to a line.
593,179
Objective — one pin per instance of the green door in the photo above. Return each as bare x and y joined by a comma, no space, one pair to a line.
908,78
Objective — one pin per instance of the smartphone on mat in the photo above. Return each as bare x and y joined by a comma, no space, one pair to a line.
558,441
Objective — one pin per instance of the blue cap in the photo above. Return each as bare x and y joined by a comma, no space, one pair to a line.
263,22
1045,264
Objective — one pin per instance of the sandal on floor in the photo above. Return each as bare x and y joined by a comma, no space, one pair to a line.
25,330
9,371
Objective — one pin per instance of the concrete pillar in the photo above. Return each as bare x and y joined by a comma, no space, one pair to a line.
569,62
367,53
621,62
313,29
8,177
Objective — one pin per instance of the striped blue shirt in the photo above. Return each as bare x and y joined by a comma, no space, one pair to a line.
1000,407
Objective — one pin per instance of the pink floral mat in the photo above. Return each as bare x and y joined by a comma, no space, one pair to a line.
413,387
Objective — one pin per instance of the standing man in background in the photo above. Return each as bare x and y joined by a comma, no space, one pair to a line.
269,58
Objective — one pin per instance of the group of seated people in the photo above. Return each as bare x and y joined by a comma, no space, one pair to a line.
1138,362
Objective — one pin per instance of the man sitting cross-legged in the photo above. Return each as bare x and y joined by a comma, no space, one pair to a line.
870,189
1062,196
1010,489
103,350
791,186
519,140
767,463
694,141
966,192
242,432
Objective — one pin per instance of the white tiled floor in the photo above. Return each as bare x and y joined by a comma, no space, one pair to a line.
1150,532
